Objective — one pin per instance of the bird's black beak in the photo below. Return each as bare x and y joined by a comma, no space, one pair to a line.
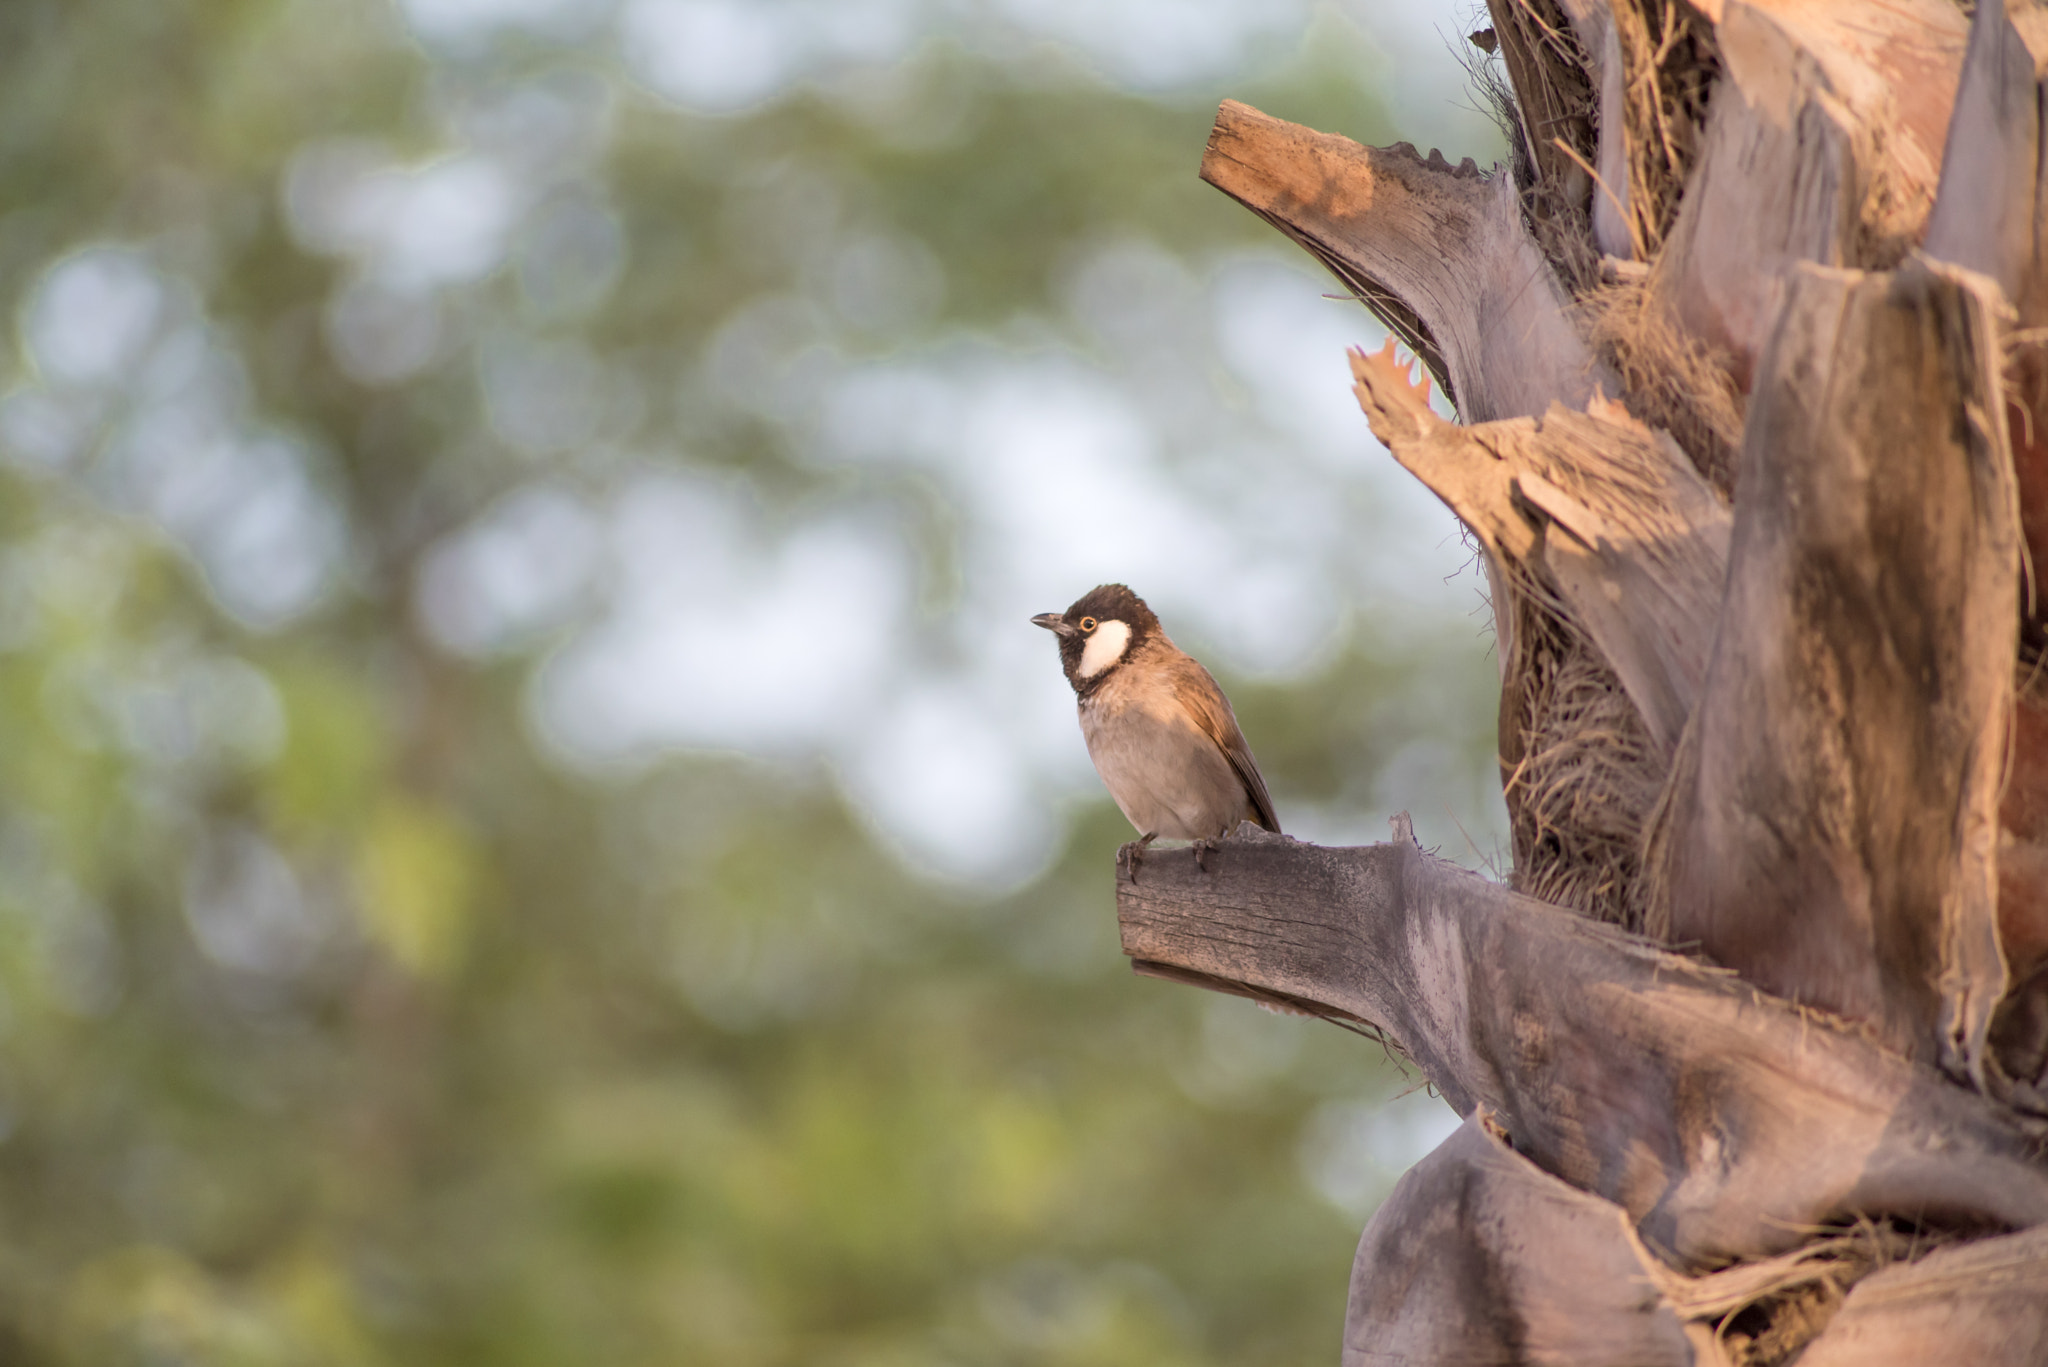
1052,621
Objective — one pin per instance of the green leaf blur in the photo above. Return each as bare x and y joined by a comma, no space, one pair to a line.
344,1019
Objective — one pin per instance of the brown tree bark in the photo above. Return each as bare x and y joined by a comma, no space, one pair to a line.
1746,349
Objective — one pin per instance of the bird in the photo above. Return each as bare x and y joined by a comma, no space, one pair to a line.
1160,731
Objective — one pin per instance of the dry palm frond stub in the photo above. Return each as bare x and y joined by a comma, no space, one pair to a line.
1550,127
1669,62
1666,61
1671,380
1580,770
1585,777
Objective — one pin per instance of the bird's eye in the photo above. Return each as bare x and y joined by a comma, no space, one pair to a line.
1087,624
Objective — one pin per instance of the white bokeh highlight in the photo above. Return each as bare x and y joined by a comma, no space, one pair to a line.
142,400
514,574
722,635
92,317
247,909
1159,44
462,24
723,57
1352,1152
412,227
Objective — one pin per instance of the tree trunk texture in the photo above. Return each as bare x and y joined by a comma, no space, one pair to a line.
1749,353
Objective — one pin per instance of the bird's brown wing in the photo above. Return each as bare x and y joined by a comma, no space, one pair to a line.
1204,701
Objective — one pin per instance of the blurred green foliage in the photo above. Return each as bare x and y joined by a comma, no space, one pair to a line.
341,1023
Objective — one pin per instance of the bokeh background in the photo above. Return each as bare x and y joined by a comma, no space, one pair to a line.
534,828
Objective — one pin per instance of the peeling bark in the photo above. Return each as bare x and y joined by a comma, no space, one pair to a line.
1823,146
1831,826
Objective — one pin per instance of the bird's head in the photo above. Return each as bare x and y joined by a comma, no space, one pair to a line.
1099,632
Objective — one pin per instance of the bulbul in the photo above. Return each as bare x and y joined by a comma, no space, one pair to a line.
1160,731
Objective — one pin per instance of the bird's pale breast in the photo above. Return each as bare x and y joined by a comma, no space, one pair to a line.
1166,774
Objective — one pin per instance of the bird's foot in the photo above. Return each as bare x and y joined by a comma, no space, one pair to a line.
1135,852
1203,849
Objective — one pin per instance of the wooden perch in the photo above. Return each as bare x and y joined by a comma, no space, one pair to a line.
1604,513
1727,1123
1873,578
1439,253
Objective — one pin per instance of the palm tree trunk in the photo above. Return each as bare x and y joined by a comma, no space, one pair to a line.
1746,350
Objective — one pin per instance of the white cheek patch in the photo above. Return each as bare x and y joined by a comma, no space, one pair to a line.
1104,648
